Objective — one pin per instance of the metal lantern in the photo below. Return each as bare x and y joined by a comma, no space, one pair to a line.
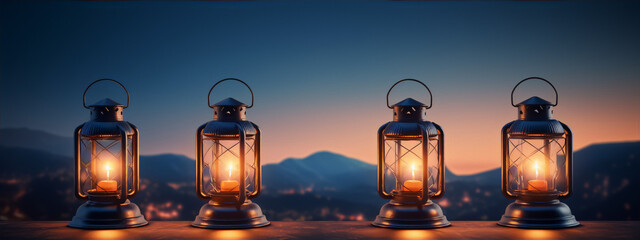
537,155
410,167
228,171
106,160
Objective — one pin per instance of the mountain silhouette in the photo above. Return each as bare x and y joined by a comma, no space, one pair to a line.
167,168
321,171
36,139
321,186
606,181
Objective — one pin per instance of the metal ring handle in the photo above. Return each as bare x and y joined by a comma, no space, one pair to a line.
227,79
538,78
84,95
410,79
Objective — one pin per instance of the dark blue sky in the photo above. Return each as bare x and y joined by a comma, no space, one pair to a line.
320,69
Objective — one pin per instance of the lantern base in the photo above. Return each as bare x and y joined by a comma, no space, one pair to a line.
107,215
411,216
230,216
541,214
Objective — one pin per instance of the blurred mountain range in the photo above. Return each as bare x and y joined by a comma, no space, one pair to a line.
36,182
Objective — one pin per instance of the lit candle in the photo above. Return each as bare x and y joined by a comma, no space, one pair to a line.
230,185
536,184
107,185
412,185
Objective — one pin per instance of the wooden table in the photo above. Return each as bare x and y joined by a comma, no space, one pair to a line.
319,230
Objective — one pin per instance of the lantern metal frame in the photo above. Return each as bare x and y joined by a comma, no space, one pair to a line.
108,210
533,209
409,210
230,210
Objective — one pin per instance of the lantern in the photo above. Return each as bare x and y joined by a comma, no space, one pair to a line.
106,162
228,170
537,160
410,167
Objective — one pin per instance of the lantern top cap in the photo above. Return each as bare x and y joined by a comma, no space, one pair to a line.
409,102
230,102
535,100
107,102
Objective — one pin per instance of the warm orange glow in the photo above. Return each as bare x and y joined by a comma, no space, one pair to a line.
108,168
229,234
228,167
413,171
537,184
538,164
104,234
230,185
106,165
413,234
107,185
413,185
538,234
413,163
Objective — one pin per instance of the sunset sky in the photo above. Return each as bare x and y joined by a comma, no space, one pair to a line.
320,69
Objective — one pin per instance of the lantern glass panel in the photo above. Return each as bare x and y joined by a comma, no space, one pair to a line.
221,165
537,165
404,165
101,160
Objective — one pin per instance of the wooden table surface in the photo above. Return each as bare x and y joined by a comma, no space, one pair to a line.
319,230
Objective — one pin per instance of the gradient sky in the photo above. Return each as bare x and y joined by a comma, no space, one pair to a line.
320,70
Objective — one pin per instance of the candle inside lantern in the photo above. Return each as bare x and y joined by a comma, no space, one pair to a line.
412,185
536,184
107,185
230,185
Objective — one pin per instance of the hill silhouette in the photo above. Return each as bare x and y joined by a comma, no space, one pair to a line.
35,139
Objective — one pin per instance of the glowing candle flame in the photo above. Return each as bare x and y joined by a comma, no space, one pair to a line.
108,168
230,169
413,171
412,185
537,185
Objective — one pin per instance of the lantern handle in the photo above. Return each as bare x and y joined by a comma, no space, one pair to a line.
410,79
538,78
84,95
228,79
